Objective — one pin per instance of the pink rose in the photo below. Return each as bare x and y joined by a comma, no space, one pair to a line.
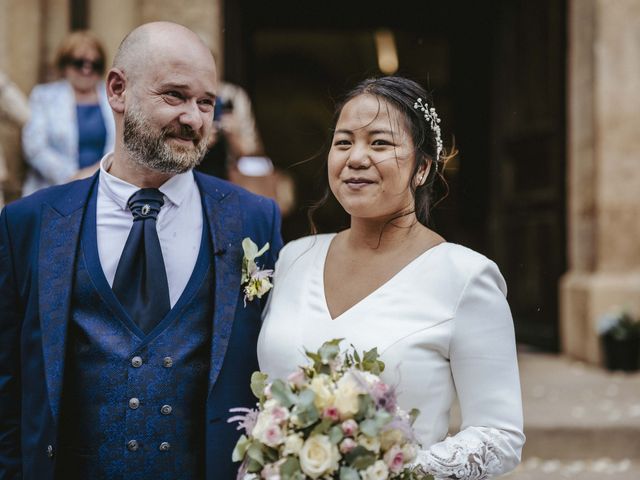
296,378
347,445
349,427
273,436
394,459
331,413
279,414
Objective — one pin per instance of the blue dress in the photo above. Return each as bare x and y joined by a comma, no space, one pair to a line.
92,134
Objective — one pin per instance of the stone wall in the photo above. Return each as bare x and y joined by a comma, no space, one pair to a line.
114,19
603,169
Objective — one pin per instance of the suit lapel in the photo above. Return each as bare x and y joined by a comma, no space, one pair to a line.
223,215
60,229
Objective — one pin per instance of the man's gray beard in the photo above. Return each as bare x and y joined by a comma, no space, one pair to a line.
153,152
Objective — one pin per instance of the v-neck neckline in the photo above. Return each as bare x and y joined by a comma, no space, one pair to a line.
322,265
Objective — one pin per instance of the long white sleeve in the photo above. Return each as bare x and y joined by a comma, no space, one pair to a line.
484,366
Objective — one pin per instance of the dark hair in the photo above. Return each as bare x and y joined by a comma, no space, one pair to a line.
403,93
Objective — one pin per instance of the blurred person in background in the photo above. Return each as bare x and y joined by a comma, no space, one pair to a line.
71,126
236,151
13,107
235,135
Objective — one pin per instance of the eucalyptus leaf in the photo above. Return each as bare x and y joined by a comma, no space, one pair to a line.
348,473
254,452
240,449
413,415
355,354
366,407
335,434
271,455
282,392
329,351
322,427
290,468
253,466
258,384
360,458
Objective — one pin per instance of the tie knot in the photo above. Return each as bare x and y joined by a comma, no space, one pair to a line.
146,203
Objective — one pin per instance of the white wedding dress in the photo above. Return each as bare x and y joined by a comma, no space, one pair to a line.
443,328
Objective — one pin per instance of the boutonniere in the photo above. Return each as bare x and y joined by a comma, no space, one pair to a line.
255,281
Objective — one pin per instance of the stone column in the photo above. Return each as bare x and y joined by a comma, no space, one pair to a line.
603,170
202,16
22,27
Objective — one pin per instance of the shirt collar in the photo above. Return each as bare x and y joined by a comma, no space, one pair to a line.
175,189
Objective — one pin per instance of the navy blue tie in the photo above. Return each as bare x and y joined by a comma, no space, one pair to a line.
140,282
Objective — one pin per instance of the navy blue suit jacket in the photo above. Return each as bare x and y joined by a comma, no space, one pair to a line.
38,241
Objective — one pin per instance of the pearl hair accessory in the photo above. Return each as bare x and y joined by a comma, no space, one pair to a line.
434,122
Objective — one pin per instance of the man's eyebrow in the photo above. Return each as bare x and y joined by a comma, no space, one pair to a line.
184,86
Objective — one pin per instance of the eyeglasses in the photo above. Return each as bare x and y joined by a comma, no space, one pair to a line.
81,63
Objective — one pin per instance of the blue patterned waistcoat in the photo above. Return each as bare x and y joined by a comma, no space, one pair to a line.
133,405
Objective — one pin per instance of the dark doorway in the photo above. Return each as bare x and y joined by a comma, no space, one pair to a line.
496,70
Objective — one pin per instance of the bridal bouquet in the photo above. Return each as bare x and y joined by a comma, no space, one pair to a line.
333,419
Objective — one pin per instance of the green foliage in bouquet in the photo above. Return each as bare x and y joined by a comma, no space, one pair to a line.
332,419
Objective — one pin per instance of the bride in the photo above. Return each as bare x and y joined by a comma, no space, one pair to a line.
436,311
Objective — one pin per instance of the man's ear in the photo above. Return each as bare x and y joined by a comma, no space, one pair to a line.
116,87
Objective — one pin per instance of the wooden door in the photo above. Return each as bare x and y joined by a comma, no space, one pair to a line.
527,162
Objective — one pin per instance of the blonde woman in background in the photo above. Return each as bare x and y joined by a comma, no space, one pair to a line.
71,126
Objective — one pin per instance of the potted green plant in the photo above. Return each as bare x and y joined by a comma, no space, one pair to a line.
620,338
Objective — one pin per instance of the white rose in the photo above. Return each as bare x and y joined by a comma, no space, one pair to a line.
271,471
410,451
370,443
262,423
318,456
321,386
292,445
377,471
267,430
391,437
346,396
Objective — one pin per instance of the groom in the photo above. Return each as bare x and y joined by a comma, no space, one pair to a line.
124,338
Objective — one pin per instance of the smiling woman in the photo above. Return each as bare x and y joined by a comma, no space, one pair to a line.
436,311
71,125
371,160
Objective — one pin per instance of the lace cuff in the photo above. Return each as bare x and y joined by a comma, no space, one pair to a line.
476,453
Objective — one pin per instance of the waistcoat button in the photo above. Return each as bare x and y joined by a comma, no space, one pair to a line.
167,362
50,451
134,403
136,362
132,445
166,409
164,446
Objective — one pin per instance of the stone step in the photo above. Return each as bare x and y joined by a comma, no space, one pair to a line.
595,469
569,443
575,412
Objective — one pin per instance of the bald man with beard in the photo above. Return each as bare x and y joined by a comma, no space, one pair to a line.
125,334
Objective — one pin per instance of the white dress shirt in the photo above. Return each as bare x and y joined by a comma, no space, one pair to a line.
179,225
